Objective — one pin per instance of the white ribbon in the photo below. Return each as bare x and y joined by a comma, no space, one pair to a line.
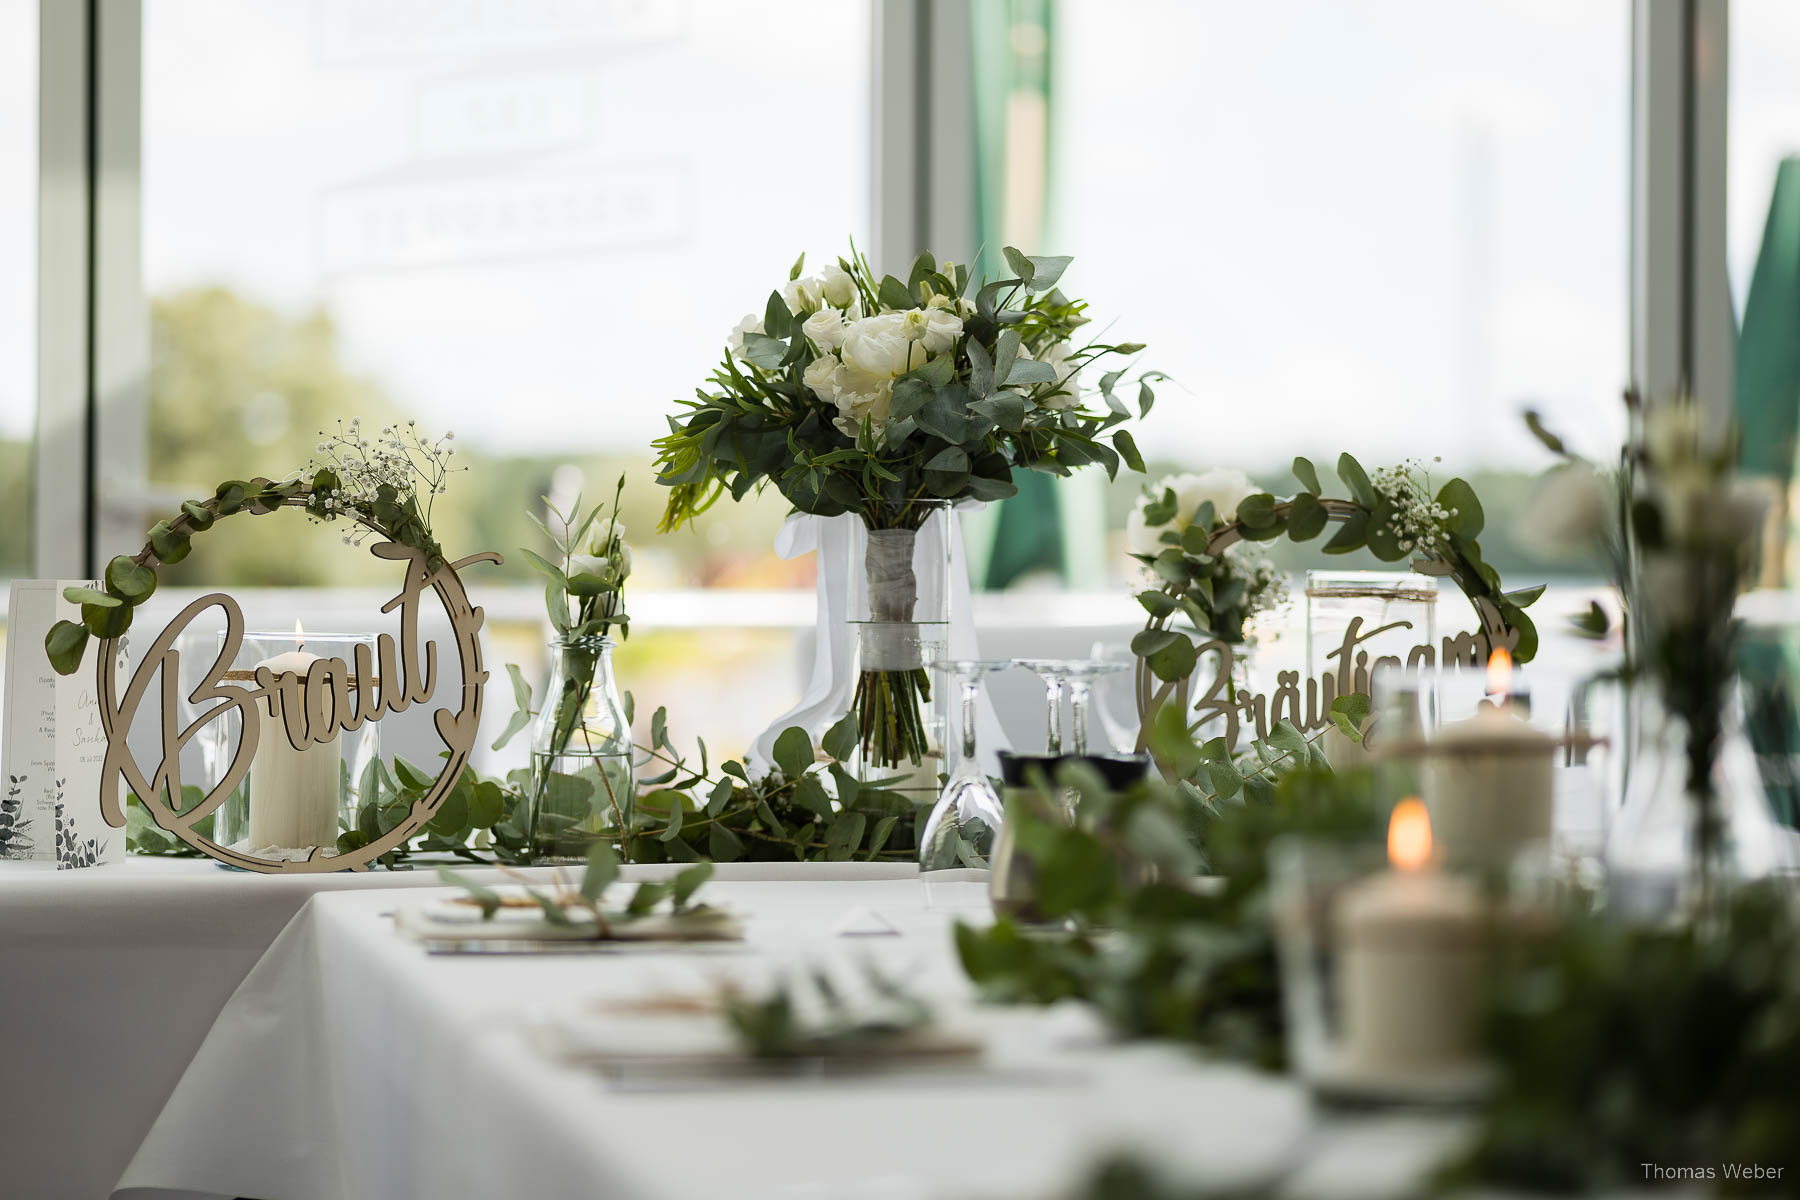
831,686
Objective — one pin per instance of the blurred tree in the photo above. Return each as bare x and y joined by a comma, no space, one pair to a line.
240,389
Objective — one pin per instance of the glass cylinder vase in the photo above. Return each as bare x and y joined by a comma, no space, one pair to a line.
1360,624
899,614
291,801
581,773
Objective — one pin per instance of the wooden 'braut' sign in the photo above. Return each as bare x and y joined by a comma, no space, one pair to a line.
330,697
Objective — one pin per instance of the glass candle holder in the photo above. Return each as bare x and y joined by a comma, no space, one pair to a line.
293,801
1382,970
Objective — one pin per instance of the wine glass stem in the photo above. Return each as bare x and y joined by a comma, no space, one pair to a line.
971,691
1053,693
1078,714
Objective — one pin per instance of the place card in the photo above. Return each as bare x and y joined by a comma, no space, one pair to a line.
52,745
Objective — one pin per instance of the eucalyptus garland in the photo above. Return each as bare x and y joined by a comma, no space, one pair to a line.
1395,516
383,486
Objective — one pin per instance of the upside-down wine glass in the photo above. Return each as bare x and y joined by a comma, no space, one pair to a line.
1053,672
961,828
1080,676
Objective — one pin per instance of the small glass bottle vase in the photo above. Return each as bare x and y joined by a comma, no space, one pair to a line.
1678,844
899,610
581,775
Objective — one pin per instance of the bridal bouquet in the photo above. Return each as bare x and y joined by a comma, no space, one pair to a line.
886,397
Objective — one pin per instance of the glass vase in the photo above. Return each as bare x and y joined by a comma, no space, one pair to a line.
581,775
1678,843
899,612
291,801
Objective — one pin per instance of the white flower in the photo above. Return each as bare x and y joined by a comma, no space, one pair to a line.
1672,433
1571,511
826,328
838,289
819,376
601,535
1224,486
876,350
941,331
1703,509
752,323
803,295
595,565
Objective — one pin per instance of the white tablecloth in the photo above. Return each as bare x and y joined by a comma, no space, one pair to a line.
350,1063
109,980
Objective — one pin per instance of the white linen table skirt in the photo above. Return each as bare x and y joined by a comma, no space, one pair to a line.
351,1063
110,978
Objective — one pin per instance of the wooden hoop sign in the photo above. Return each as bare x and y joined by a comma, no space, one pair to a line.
1463,648
331,696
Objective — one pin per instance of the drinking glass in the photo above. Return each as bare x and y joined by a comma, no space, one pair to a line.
960,830
1080,677
1054,672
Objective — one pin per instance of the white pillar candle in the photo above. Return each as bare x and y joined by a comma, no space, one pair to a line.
1411,968
293,793
1489,783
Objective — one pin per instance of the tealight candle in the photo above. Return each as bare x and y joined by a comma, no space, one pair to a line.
1412,958
293,793
1490,780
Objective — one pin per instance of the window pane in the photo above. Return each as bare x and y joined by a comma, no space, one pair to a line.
532,224
18,279
1382,227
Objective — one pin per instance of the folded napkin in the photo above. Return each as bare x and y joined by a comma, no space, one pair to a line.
454,922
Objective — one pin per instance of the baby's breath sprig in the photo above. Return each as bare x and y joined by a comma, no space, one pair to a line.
386,484
1418,521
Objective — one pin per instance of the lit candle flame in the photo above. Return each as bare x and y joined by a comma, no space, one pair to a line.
1499,673
299,634
1409,835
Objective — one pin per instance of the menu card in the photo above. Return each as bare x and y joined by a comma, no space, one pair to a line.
52,745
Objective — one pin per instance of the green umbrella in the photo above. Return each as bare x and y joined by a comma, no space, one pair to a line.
1767,406
1767,393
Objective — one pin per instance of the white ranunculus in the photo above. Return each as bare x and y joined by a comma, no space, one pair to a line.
837,287
1224,486
752,323
803,295
1571,512
819,376
826,328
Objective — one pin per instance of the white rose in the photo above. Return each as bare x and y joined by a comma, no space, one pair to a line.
1224,486
837,287
803,294
1140,538
876,351
752,323
819,376
1572,510
826,328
